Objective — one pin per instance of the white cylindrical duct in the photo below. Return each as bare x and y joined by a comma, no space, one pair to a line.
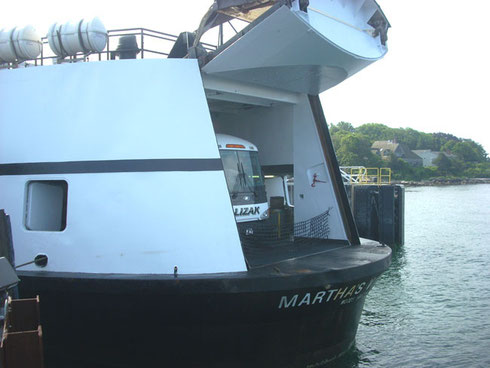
19,44
83,36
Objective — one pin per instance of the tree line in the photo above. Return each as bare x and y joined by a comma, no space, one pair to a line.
466,158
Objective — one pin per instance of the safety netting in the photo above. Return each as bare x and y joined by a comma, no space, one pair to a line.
281,230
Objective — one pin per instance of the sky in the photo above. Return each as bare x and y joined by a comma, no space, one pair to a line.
434,78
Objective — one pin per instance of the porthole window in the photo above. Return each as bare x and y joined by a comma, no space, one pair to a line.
46,203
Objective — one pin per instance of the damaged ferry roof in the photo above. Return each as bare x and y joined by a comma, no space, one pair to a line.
305,47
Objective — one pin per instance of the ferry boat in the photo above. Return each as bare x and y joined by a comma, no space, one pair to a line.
113,172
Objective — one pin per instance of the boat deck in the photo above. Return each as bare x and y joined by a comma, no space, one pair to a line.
265,256
332,259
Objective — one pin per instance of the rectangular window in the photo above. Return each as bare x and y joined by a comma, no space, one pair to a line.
46,205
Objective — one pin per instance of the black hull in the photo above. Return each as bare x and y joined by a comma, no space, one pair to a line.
269,317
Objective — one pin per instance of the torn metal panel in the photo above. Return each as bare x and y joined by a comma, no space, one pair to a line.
247,10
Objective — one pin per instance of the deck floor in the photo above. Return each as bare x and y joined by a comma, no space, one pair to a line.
263,255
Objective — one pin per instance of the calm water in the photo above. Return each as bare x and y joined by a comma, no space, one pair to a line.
432,307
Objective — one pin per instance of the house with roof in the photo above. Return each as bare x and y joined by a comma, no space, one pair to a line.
428,156
386,148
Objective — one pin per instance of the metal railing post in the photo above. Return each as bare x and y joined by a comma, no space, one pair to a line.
142,44
107,53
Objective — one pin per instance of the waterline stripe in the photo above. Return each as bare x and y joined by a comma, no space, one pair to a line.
111,166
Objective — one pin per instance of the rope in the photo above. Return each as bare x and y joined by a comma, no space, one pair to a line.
42,258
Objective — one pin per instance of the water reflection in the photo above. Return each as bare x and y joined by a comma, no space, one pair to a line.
431,307
350,359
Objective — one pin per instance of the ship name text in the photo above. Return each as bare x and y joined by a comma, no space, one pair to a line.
344,295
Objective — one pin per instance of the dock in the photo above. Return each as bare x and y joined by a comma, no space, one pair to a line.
378,205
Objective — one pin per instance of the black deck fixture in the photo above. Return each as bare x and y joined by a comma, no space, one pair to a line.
379,212
6,244
127,48
182,45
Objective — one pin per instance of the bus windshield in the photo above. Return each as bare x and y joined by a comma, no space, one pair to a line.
243,173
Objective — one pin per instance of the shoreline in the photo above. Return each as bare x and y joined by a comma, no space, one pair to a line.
441,182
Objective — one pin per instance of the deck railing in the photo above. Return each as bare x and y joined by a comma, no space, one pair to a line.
366,175
150,44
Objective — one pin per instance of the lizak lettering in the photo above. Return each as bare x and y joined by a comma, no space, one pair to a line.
245,211
344,295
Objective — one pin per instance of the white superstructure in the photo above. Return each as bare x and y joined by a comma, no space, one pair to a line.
145,188
114,166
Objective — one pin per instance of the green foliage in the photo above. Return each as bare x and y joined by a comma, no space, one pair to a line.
467,158
444,164
342,126
479,170
439,140
376,132
353,149
411,137
399,168
466,150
